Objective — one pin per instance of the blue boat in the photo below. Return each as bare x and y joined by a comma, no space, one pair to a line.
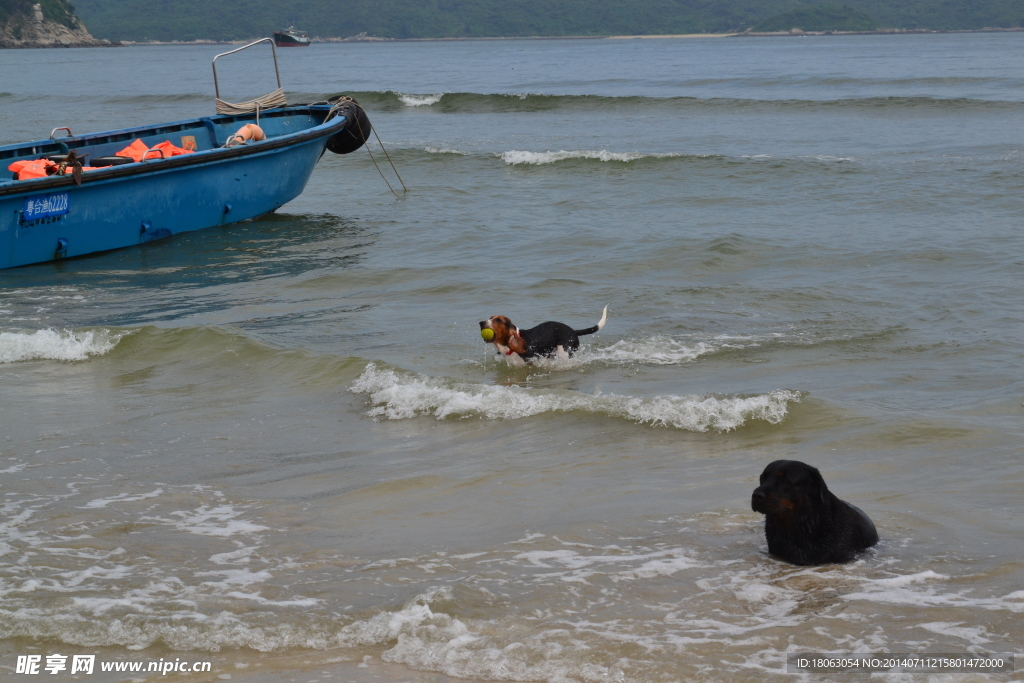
109,202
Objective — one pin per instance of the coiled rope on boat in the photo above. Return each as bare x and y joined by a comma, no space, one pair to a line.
268,101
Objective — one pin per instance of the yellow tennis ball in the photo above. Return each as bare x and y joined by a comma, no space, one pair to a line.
487,333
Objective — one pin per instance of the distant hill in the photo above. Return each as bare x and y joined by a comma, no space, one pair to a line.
165,20
818,18
59,11
42,23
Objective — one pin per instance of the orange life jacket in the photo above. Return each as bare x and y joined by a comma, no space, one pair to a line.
134,150
30,168
138,151
170,149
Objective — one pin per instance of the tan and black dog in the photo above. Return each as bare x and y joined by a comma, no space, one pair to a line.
547,339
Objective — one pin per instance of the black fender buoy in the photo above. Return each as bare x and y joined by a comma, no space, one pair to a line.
356,131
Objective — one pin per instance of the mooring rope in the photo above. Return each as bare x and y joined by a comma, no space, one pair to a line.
338,104
404,188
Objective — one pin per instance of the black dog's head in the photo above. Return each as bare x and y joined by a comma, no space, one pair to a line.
789,487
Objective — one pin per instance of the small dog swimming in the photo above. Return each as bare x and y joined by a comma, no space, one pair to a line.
548,339
805,523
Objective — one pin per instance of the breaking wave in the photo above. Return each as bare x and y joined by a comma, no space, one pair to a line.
516,157
445,150
656,350
64,345
399,396
760,163
470,102
419,100
668,350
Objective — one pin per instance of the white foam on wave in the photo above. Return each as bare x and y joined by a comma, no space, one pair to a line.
63,345
445,150
235,577
241,556
422,636
919,590
779,600
212,521
108,597
515,156
402,396
267,602
576,567
657,350
122,498
975,635
68,582
827,157
419,100
669,350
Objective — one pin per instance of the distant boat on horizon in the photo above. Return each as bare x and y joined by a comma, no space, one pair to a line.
291,37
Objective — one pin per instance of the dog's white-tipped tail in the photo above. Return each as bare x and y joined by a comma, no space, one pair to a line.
604,318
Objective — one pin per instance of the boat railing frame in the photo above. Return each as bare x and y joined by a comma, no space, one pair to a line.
269,100
273,49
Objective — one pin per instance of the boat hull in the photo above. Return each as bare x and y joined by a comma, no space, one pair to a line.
137,203
282,39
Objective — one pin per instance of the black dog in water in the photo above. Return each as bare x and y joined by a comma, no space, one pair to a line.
806,524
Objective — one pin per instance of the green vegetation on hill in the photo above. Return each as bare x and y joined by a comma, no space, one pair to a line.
818,18
60,11
240,19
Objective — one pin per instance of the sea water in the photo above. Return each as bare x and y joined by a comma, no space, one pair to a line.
282,447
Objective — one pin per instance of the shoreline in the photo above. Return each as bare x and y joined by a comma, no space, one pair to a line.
879,32
63,46
652,36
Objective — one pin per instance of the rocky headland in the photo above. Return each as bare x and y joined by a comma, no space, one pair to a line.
49,23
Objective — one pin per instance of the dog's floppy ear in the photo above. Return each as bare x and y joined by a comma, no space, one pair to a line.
517,344
819,485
